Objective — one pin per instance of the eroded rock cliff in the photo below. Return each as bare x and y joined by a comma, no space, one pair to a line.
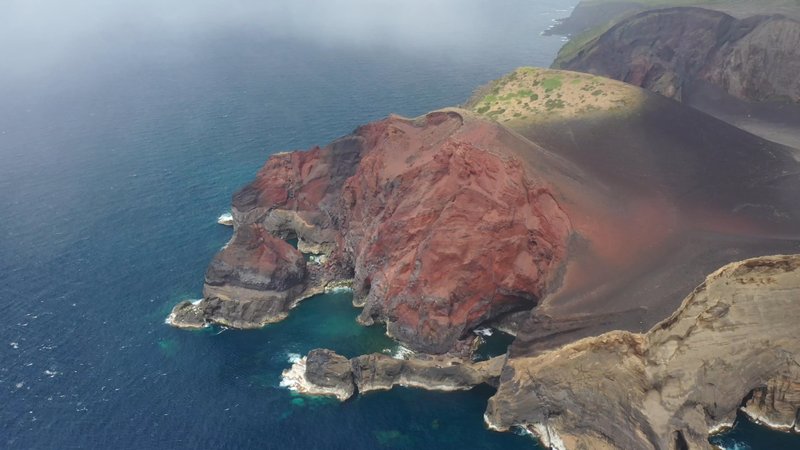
736,334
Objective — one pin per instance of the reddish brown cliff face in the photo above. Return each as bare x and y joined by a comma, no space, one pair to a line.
440,230
445,234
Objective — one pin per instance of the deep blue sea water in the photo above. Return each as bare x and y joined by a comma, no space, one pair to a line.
117,156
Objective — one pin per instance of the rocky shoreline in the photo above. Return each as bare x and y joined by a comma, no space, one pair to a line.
323,372
680,382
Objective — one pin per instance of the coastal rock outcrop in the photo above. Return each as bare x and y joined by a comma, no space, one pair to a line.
324,372
437,221
732,342
755,58
253,281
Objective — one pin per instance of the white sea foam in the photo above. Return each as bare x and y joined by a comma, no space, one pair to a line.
225,219
294,379
402,352
720,428
483,331
338,289
735,445
197,302
318,259
51,373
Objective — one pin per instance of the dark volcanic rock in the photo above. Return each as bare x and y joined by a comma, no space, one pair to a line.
756,58
327,373
381,372
329,370
297,194
255,260
253,281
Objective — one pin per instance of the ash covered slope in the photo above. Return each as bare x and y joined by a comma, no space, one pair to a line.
680,194
756,58
666,389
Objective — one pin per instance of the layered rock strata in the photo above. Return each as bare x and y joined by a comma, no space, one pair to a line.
253,281
733,340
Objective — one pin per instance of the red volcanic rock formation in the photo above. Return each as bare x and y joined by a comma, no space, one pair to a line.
445,234
440,230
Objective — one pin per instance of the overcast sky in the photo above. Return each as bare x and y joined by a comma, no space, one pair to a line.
35,32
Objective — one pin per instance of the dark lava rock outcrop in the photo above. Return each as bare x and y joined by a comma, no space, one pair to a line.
756,58
253,281
324,372
733,339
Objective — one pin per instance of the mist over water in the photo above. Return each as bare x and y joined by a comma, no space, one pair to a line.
37,36
125,127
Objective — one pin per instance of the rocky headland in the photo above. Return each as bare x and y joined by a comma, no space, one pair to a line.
439,231
556,205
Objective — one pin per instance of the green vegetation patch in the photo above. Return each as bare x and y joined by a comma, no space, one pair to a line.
552,84
531,94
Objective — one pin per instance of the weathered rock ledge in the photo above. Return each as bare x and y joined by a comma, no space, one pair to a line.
324,372
733,343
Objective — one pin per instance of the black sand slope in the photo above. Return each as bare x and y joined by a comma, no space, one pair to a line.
661,195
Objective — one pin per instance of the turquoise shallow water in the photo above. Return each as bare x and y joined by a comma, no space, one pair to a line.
117,160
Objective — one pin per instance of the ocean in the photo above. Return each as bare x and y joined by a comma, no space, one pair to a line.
118,153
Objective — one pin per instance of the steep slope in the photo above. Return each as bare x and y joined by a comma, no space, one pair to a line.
663,50
665,389
673,205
